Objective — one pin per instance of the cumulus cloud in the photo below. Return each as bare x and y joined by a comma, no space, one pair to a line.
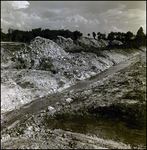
83,16
129,19
114,12
7,23
19,4
115,29
76,18
81,20
105,20
12,14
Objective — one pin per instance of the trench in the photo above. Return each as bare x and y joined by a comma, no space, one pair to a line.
32,107
107,72
107,126
104,127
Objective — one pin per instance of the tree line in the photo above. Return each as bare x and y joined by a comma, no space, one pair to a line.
27,36
128,39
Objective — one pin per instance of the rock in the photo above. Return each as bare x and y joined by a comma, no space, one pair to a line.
50,108
69,100
116,42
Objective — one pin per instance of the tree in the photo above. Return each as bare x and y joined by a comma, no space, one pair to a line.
99,35
88,34
16,35
140,38
120,36
3,36
36,32
94,34
103,36
10,34
77,34
111,36
128,36
140,32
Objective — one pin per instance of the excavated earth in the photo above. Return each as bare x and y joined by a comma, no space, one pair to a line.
104,108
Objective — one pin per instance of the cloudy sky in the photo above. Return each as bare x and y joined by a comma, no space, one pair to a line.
84,16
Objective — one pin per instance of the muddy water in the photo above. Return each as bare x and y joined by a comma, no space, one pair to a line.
108,129
111,70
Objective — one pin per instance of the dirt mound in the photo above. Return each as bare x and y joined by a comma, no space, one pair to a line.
39,54
81,44
67,44
43,67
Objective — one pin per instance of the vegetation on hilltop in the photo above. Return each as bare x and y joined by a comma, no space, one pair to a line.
128,39
27,36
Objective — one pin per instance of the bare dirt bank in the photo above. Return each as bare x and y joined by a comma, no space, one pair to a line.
110,106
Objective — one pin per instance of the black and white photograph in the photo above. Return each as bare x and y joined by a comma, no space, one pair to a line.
73,74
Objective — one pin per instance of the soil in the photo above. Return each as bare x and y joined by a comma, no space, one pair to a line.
105,111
